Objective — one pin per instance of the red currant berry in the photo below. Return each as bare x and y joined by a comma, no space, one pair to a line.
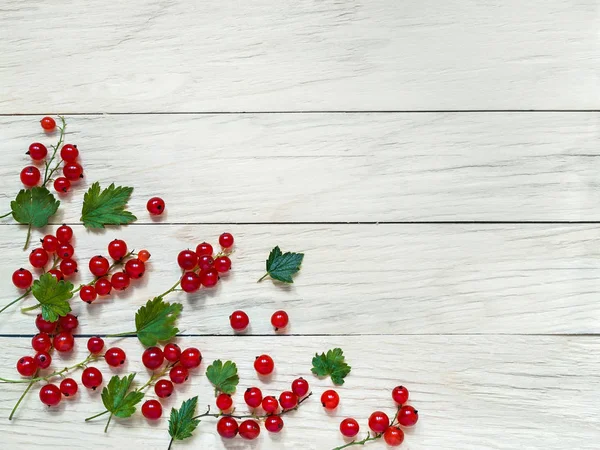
41,342
379,422
63,342
156,206
400,395
135,268
224,402
393,436
57,274
205,262
69,153
50,395
264,364
172,352
43,359
73,171
190,282
120,281
187,259
209,278
152,409
163,388
88,293
253,397
22,278
115,356
30,176
144,255
330,399
239,320
103,286
270,404
91,378
190,358
288,400
62,185
27,366
68,322
68,267
68,387
117,249
37,151
50,243
44,325
349,427
249,429
226,240
65,251
153,358
279,320
227,427
38,258
178,374
274,424
99,265
95,344
204,249
408,416
48,123
64,234
222,264
300,387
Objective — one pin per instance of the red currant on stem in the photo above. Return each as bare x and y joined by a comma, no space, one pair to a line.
62,185
205,262
144,255
408,416
91,378
68,267
64,234
209,278
172,352
43,360
264,364
393,436
400,395
222,264
249,429
288,400
120,281
379,422
41,342
227,427
73,171
274,424
156,206
65,251
115,356
224,402
239,320
68,387
152,409
117,249
163,388
68,322
38,258
152,358
50,395
69,153
178,374
330,399
190,282
30,176
226,240
349,427
204,249
44,325
187,259
270,404
27,366
50,243
95,345
63,342
279,320
253,397
135,268
56,274
190,358
99,265
48,123
88,293
103,286
22,278
300,387
37,151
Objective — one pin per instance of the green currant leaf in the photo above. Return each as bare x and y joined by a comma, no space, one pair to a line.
34,206
116,398
224,377
181,422
53,295
106,207
155,321
332,363
281,266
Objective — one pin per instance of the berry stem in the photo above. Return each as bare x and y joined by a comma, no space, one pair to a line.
108,422
96,416
14,410
28,238
55,373
126,334
48,176
27,292
363,442
172,289
263,277
155,377
6,215
112,266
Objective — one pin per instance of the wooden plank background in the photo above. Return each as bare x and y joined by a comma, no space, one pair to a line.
436,161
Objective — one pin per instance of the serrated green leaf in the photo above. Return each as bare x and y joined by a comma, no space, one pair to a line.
181,422
106,207
155,321
224,377
53,295
34,206
116,398
332,363
281,266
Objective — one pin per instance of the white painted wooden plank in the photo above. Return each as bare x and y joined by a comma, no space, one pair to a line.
474,392
332,167
139,56
356,279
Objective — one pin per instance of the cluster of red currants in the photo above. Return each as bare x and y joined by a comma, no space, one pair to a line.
240,321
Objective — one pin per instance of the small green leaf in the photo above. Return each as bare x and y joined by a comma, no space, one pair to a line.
281,266
34,206
332,363
181,422
106,207
155,321
116,398
53,295
223,376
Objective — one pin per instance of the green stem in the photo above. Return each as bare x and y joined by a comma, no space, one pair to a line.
48,176
95,280
53,374
31,308
363,442
108,423
12,413
6,215
28,238
263,277
172,289
155,377
27,292
97,415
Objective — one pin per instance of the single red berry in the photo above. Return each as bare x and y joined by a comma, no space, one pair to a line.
88,293
91,378
300,387
38,258
99,265
22,278
68,387
330,399
153,358
274,424
27,366
64,234
400,395
227,427
73,171
279,320
115,356
63,342
43,360
205,262
270,404
239,320
37,151
224,401
190,282
103,286
69,153
178,374
379,422
135,268
187,259
30,176
50,243
41,342
253,397
190,358
50,395
349,427
288,400
222,264
408,416
249,429
264,364
65,251
117,249
163,388
172,352
44,325
62,185
48,123
393,436
68,322
152,409
204,249
156,206
226,240
95,344
120,281
209,278
56,274
68,267
144,255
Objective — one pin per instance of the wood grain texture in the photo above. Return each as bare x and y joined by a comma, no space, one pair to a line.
367,279
331,167
493,393
141,56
